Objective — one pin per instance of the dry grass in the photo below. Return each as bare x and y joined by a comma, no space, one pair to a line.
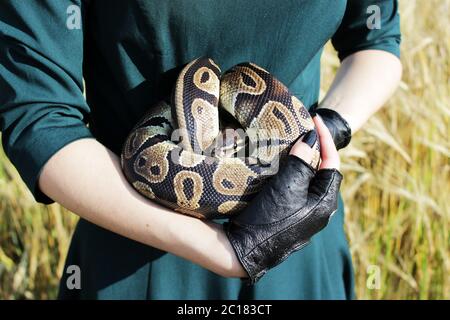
396,186
397,182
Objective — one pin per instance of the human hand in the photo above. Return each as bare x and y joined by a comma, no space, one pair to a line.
292,207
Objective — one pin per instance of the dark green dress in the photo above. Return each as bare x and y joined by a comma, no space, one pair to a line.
130,53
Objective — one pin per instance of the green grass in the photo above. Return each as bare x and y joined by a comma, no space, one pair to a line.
396,186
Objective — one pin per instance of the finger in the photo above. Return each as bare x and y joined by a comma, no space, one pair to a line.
302,151
303,147
329,155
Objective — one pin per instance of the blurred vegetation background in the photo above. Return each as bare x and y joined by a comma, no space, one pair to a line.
396,186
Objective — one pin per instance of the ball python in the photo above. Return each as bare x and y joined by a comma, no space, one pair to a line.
208,149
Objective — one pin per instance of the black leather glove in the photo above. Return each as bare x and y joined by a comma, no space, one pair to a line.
338,126
294,205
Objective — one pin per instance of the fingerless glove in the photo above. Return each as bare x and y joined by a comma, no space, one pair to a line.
293,206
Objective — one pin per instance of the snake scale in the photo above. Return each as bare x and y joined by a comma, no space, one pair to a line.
207,151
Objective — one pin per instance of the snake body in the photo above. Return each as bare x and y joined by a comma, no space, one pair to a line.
208,151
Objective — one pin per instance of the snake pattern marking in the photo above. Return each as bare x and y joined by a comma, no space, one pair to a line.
183,154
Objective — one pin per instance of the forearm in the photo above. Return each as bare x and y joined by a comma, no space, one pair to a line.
86,178
363,83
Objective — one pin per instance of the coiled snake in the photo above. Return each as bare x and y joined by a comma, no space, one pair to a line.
209,151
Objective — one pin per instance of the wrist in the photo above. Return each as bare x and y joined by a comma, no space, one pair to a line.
339,127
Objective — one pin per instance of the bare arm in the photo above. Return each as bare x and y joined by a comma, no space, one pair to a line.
363,83
86,178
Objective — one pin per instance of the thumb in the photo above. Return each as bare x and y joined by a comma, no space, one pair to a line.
329,154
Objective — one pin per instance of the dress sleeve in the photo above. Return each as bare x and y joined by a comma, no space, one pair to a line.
42,107
368,24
